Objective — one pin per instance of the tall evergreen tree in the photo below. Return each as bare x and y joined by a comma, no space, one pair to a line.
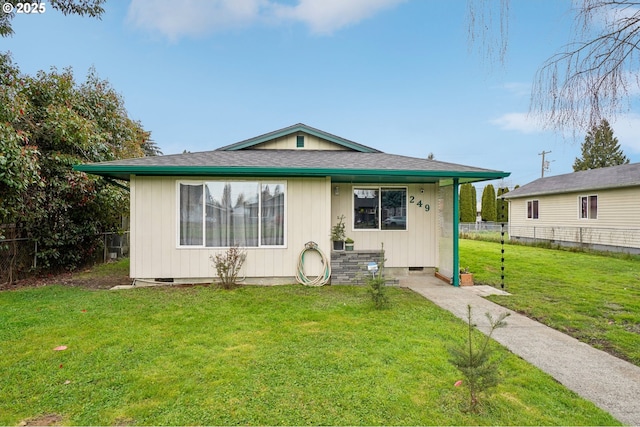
502,206
467,203
600,149
474,198
488,210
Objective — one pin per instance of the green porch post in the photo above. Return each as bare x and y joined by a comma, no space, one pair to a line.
456,226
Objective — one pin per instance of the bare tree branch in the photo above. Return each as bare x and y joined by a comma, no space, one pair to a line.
594,76
591,78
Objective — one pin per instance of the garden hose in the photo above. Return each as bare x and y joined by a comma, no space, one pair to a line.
321,279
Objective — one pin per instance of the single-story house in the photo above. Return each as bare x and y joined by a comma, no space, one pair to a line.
273,193
596,208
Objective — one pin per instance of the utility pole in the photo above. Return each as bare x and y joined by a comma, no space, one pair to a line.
545,165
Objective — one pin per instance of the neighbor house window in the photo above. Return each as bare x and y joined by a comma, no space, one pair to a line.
379,208
229,213
300,141
532,209
588,206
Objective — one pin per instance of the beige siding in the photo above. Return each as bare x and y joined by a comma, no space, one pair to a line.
618,222
414,247
289,143
155,253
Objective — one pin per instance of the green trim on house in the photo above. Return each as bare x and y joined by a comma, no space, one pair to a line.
300,127
337,175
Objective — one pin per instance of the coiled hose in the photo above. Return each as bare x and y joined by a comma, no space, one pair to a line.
321,279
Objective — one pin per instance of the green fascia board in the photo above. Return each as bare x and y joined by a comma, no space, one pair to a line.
345,175
299,128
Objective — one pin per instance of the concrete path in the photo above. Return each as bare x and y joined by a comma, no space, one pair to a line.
610,383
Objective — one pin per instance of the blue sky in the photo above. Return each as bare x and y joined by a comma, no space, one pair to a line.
397,75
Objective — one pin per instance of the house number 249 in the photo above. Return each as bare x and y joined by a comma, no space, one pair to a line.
419,203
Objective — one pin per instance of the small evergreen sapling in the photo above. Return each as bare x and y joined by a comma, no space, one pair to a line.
476,362
377,286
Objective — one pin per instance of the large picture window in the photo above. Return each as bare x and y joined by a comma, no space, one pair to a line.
379,208
229,213
588,206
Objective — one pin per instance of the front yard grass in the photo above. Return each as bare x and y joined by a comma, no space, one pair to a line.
285,355
593,297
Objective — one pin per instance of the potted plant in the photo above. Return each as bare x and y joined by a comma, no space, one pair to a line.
338,235
348,244
466,278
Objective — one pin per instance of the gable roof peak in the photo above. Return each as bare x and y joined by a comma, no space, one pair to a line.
298,127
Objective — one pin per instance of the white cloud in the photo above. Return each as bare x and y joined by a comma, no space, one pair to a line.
626,128
518,89
192,18
175,19
519,122
327,16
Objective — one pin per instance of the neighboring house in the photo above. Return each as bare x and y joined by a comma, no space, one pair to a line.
598,208
273,193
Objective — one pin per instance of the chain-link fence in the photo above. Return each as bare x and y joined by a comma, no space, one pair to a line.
17,259
19,256
595,238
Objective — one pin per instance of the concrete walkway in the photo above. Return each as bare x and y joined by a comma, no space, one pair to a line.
610,383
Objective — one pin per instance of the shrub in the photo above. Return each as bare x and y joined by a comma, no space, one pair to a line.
228,265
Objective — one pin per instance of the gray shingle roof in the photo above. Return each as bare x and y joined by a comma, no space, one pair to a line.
322,159
344,164
594,179
358,163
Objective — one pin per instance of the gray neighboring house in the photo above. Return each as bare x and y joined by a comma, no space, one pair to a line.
598,208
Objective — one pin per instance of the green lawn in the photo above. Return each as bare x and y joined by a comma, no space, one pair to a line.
285,355
593,297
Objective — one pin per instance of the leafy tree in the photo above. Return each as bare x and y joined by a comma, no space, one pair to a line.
600,149
502,206
49,123
591,76
467,203
92,8
488,210
19,169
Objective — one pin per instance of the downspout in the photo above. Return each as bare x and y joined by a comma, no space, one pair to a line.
456,227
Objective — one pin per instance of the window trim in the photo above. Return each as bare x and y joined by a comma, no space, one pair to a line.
380,219
588,198
534,213
260,183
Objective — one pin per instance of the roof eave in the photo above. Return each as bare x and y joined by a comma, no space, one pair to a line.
123,172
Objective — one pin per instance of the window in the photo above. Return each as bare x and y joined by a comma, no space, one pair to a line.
380,208
222,214
532,209
588,206
300,141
